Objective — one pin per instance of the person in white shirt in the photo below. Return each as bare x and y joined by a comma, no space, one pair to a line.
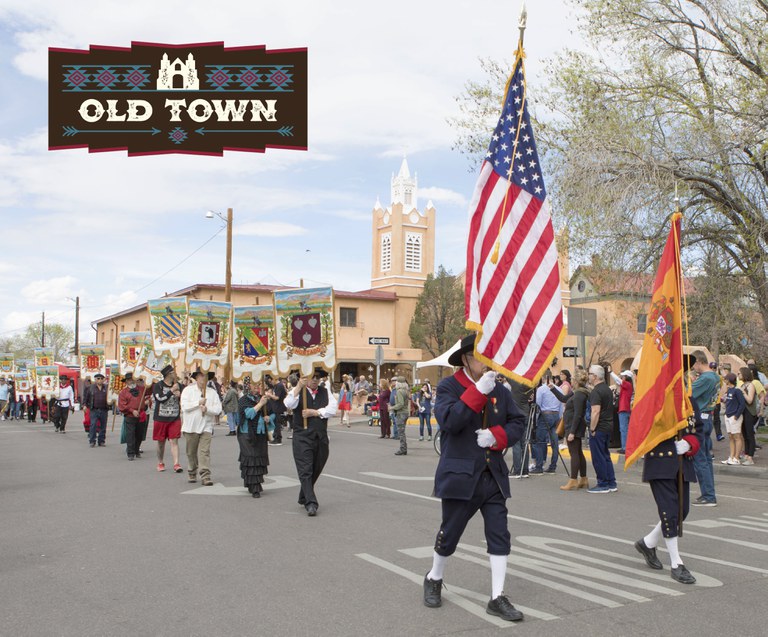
200,406
65,401
312,404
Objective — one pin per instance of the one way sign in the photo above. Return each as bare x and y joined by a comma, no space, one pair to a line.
570,352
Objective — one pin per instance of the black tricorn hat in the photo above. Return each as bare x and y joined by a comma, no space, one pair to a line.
319,372
128,376
98,375
211,375
467,345
166,370
196,373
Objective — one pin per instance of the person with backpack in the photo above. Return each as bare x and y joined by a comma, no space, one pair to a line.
401,409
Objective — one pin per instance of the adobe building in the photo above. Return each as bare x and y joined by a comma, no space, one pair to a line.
403,255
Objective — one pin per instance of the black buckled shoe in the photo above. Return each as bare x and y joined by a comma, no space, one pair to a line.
649,554
311,510
502,607
682,575
433,592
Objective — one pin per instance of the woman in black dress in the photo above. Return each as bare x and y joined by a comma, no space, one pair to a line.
252,433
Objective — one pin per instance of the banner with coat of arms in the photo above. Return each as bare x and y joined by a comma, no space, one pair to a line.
168,323
253,341
23,385
93,360
47,381
44,357
305,329
131,344
115,383
208,333
7,366
149,365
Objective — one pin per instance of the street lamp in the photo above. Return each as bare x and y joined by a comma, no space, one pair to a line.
228,273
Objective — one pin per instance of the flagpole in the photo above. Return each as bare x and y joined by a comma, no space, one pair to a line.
679,435
522,24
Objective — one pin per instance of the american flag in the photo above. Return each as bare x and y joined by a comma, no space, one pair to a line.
512,280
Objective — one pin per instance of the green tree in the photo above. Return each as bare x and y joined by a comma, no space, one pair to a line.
57,336
438,321
673,95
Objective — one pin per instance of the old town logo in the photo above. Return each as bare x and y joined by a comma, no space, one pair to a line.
161,98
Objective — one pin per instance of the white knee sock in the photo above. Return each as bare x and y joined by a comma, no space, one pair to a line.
438,566
674,555
498,574
654,537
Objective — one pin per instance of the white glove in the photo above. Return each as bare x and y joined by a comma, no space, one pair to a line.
486,383
682,446
485,438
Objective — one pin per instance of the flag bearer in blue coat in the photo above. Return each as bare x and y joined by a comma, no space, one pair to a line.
478,420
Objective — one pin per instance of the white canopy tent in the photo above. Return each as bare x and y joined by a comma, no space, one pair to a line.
442,360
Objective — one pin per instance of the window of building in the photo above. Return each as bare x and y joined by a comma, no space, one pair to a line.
136,326
413,252
642,322
102,336
408,197
348,316
386,252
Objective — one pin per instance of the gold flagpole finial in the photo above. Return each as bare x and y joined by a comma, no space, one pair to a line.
522,22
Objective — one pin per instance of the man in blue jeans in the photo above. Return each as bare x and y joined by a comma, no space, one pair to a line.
601,426
705,393
546,424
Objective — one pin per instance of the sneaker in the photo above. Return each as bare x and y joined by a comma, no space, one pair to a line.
177,468
703,502
160,466
536,472
732,461
502,607
93,444
720,437
429,438
598,490
747,462
275,444
613,489
551,469
421,439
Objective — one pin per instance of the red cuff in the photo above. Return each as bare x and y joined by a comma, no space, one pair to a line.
501,438
473,399
694,442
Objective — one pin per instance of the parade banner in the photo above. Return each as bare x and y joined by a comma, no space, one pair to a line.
149,365
208,333
305,332
131,344
168,324
7,366
24,365
44,357
23,385
47,381
93,360
253,342
115,383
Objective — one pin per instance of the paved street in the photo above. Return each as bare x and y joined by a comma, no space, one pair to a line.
95,545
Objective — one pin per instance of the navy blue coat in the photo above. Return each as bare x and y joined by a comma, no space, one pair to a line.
461,409
661,463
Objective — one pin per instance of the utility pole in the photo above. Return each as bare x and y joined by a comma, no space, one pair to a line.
228,272
77,324
42,339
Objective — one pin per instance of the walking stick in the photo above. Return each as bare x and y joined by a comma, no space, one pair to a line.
304,403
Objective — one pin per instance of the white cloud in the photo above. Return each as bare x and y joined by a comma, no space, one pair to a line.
49,291
269,229
443,195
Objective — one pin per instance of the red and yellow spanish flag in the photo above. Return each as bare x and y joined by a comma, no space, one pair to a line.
661,404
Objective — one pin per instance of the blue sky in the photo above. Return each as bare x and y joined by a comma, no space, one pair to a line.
383,79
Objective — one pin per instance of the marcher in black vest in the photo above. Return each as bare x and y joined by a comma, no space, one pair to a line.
660,469
312,404
277,407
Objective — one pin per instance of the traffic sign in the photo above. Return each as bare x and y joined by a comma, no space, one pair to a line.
570,352
378,340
